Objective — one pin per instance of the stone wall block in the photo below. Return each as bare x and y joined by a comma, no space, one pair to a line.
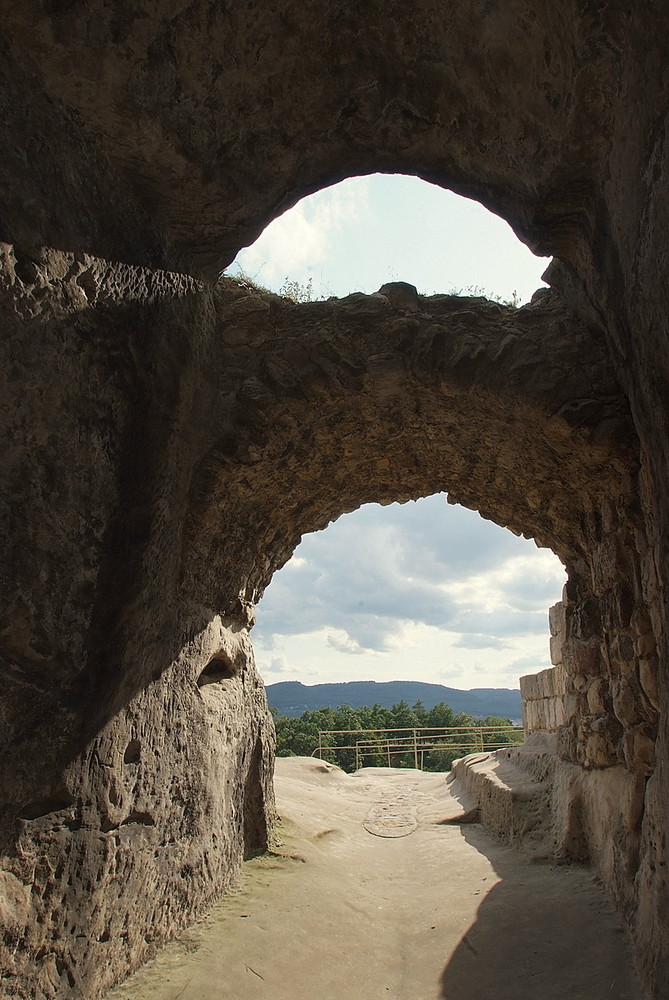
529,687
598,692
640,621
569,663
582,658
569,595
554,706
644,645
571,704
581,683
584,621
560,715
542,695
557,619
621,648
640,541
625,696
597,752
600,736
640,748
627,598
648,680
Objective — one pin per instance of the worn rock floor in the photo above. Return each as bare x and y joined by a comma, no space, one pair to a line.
371,895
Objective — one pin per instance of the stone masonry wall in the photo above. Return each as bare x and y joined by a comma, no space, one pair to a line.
543,693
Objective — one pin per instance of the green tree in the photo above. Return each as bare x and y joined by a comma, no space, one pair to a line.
440,715
420,712
301,736
403,716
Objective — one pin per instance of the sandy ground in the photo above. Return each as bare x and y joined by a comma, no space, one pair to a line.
427,910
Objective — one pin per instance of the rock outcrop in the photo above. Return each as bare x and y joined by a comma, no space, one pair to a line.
166,439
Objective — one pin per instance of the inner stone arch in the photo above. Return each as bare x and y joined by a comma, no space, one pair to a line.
352,234
392,396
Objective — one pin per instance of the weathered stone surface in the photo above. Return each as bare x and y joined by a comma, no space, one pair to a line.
324,405
554,808
136,743
333,404
165,443
543,696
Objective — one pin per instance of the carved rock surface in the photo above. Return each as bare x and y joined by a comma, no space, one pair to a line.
165,442
136,741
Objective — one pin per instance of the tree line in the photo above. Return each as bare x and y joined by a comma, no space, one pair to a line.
300,736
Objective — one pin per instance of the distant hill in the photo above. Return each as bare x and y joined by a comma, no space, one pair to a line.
293,698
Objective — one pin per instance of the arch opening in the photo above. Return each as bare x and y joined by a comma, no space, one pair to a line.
421,591
362,232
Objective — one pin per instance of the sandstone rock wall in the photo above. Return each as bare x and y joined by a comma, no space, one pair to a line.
136,743
166,441
590,801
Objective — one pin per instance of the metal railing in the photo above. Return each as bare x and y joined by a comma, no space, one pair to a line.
395,743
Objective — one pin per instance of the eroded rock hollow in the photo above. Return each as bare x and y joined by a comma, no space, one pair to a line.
167,438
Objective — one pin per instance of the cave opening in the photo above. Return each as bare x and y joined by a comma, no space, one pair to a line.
365,231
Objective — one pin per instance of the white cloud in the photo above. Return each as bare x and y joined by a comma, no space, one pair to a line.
296,244
476,640
278,665
522,581
419,653
367,597
351,578
342,642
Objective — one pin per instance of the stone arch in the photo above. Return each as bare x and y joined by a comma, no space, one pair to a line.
392,396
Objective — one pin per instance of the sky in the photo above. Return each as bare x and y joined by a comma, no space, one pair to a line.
424,590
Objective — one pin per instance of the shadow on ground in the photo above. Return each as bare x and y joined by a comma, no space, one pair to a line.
545,931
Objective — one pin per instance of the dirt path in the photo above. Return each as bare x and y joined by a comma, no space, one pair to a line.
416,909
